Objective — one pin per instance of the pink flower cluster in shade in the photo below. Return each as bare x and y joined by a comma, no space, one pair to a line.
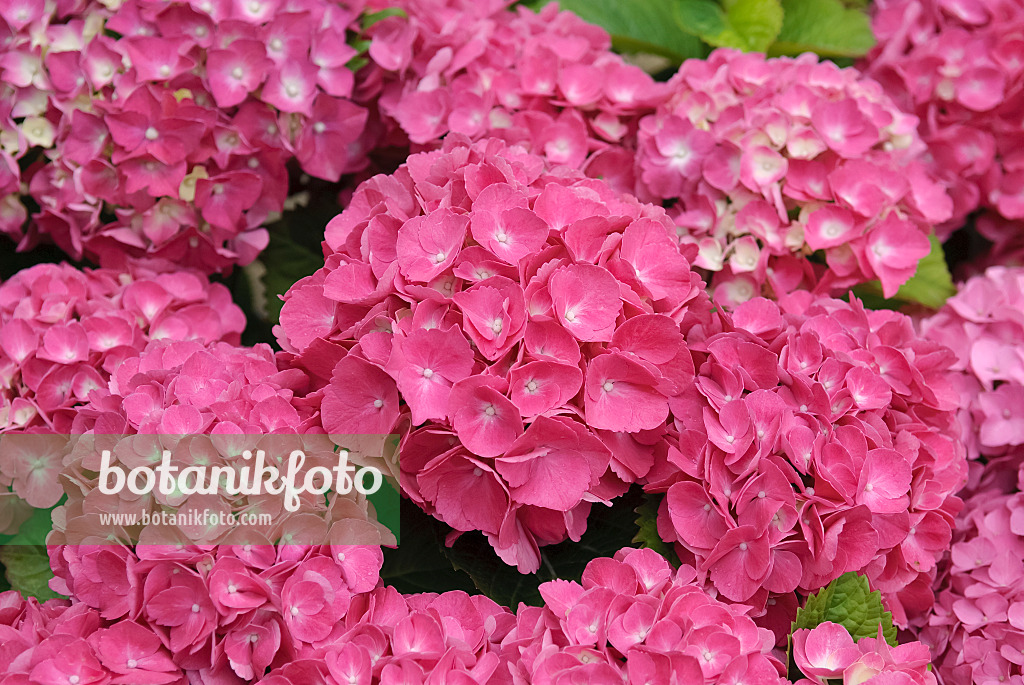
984,325
976,630
634,620
818,438
958,65
64,332
828,652
767,161
163,128
477,68
206,404
522,328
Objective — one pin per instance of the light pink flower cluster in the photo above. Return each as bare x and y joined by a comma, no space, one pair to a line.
210,614
386,638
635,620
64,332
984,325
522,329
58,644
959,66
164,128
828,652
977,626
768,161
817,439
476,68
207,405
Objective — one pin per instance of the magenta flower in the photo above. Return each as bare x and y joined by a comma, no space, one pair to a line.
526,323
547,79
195,110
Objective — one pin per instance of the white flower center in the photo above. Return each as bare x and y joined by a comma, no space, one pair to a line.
608,386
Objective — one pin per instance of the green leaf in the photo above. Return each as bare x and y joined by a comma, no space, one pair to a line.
931,285
371,18
647,528
848,601
750,25
419,564
23,555
28,570
826,27
609,529
281,264
643,26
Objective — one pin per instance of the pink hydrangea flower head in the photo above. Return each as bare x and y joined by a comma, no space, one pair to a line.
634,619
956,66
510,319
481,69
983,326
804,451
976,630
168,135
763,159
827,651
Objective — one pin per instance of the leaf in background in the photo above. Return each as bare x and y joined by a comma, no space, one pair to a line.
826,27
644,26
26,564
419,563
931,285
750,25
280,265
848,601
647,528
28,570
609,529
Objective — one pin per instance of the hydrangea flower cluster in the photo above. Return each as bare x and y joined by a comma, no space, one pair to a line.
767,161
164,128
633,619
57,643
206,405
216,614
390,638
984,326
522,330
473,67
63,333
959,66
828,652
977,627
818,439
